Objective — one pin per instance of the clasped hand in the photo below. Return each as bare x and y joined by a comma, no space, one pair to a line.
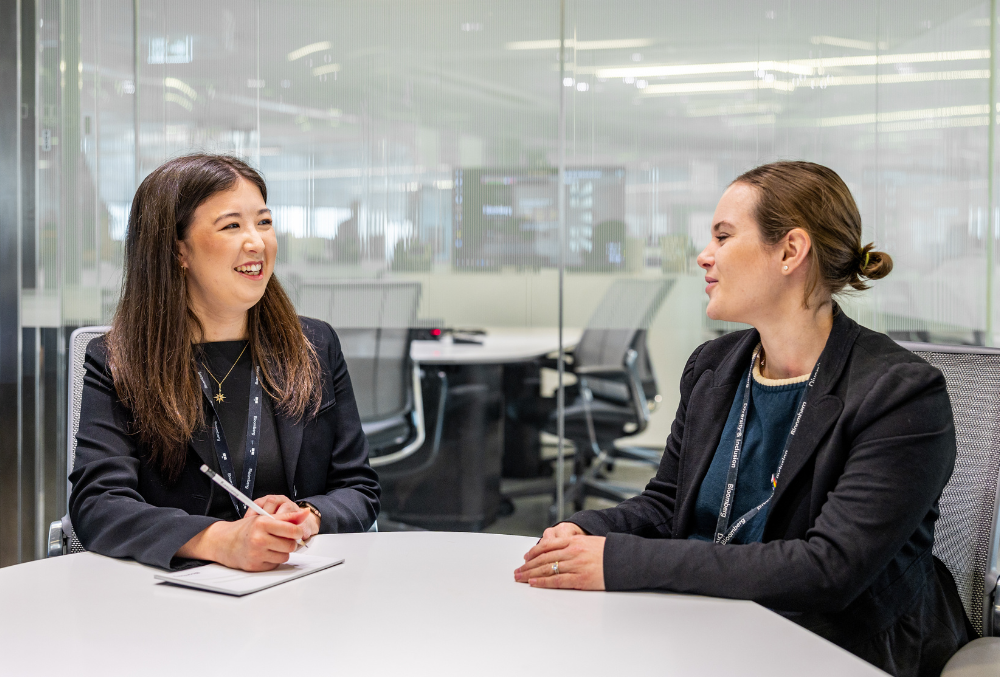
580,558
255,542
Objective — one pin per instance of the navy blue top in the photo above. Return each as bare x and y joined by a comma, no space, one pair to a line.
769,418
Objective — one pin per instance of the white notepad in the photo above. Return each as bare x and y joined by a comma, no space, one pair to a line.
217,578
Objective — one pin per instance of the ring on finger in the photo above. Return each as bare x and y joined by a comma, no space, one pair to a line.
555,568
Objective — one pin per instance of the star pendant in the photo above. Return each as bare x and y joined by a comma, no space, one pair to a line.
220,398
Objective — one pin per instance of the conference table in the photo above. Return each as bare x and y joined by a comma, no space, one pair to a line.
497,346
401,604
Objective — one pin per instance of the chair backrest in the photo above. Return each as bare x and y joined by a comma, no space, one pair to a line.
966,536
628,308
373,320
381,373
78,342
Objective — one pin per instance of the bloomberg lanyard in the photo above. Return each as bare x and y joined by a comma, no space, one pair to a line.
253,439
723,532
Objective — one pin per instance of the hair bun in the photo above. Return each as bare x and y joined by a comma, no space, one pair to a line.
874,265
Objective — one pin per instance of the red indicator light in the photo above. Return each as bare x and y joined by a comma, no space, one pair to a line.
435,332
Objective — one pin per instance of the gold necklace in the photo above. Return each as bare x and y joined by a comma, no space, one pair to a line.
220,398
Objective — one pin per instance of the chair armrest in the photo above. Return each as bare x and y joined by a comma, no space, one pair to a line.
57,540
978,658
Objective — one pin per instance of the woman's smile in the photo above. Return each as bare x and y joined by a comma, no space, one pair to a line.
253,270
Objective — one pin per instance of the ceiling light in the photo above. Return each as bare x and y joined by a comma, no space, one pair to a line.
731,86
898,78
703,69
328,68
796,67
900,115
582,86
567,82
181,86
845,42
580,44
881,59
309,49
768,81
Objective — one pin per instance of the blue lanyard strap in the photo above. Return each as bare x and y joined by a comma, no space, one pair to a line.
253,438
723,532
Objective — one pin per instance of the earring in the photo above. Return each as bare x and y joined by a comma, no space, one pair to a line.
786,267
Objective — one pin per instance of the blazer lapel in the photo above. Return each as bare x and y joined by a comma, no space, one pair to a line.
707,410
290,443
202,442
822,407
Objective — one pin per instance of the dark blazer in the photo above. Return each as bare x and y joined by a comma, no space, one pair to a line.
846,550
122,506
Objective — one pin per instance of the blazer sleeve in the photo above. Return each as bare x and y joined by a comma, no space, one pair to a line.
351,501
651,513
901,456
108,513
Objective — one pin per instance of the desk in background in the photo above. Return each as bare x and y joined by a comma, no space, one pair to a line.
416,604
460,489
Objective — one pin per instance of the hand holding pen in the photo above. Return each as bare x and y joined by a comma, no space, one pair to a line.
241,497
254,543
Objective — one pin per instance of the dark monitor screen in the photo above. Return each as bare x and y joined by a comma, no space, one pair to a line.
510,217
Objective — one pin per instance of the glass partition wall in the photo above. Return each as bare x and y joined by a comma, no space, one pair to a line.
421,142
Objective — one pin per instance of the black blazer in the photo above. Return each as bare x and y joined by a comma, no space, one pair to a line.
122,506
846,549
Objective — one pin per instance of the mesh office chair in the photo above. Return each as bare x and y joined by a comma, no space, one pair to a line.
373,320
62,537
966,534
616,387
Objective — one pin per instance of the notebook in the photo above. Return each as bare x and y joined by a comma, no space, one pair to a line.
217,578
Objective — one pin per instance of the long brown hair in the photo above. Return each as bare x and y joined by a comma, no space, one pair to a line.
153,335
814,198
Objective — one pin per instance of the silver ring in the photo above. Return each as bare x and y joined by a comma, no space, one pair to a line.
555,568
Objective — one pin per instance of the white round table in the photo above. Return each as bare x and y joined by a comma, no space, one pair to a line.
402,604
499,346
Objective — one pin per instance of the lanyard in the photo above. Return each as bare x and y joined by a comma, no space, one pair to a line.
723,532
253,439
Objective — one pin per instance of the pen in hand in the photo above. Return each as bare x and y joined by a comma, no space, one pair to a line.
240,496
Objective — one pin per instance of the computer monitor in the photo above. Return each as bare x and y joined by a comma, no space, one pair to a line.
510,217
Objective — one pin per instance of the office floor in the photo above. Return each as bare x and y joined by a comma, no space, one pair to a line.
531,514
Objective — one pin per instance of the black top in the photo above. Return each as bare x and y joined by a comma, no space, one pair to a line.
270,479
847,546
122,505
770,414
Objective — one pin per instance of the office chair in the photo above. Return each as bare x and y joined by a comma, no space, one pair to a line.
62,537
966,533
616,387
374,319
615,391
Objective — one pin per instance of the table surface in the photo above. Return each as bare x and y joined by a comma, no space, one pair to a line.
402,604
499,346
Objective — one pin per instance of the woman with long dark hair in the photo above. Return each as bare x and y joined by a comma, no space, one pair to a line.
805,463
208,363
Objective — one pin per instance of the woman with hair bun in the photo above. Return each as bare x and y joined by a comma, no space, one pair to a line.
207,362
805,463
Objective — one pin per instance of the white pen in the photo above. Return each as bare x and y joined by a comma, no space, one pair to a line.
240,496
